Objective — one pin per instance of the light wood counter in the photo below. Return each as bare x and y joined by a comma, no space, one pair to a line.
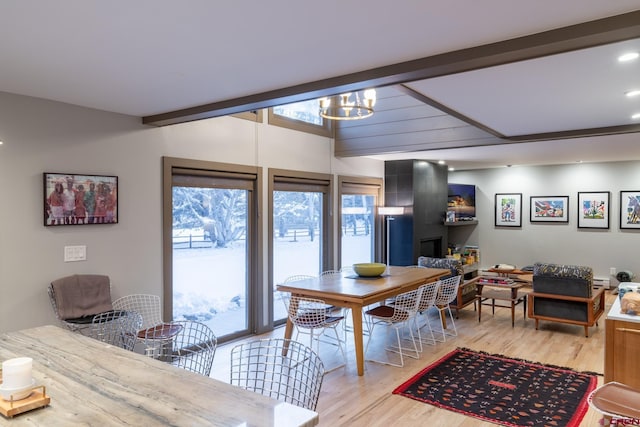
622,344
92,383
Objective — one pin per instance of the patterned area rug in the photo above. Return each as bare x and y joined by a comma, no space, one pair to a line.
501,390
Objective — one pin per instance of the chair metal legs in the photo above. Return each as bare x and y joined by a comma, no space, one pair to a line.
444,330
396,348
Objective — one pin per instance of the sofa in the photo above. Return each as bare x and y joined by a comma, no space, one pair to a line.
466,291
565,294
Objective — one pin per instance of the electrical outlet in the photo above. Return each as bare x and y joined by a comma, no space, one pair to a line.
75,253
612,271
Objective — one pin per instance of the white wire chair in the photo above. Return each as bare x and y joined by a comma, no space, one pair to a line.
118,328
427,300
192,348
314,317
150,308
446,294
399,316
282,369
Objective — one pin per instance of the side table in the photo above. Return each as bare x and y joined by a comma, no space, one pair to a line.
502,289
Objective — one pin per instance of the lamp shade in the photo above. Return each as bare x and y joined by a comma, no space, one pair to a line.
391,210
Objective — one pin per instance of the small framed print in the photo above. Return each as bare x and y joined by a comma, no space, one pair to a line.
630,209
508,208
549,208
593,209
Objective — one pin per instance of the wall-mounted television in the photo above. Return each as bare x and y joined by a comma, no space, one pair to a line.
462,201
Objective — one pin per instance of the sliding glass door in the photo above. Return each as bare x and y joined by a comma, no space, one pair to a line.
300,230
212,240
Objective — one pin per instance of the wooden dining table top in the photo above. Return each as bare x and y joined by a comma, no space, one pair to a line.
350,287
91,383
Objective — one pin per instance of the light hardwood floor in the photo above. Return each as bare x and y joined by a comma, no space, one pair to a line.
349,400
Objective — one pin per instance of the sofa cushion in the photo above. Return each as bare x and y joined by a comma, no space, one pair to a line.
454,265
559,279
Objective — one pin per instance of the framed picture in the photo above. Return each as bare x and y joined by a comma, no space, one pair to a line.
549,208
593,209
508,210
72,199
630,209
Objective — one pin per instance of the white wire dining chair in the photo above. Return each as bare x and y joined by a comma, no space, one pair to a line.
117,327
400,317
446,294
285,370
192,348
427,301
314,317
150,308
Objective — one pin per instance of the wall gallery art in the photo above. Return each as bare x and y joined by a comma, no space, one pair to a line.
593,209
508,210
549,208
71,199
630,209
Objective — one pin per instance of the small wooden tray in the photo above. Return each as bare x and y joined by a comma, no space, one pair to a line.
37,399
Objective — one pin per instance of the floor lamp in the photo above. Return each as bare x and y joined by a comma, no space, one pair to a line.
389,212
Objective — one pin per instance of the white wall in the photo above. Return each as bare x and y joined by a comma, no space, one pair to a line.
553,242
42,136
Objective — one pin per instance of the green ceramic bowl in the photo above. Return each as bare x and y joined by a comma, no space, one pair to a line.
369,269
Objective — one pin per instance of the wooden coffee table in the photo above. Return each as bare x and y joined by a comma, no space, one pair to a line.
501,289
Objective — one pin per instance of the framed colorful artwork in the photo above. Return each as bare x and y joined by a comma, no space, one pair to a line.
72,199
593,209
630,209
508,207
549,208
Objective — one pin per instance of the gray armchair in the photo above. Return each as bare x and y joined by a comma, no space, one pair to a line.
565,294
466,291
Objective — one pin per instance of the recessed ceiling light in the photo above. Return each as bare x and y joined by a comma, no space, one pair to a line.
628,56
452,169
631,93
635,116
441,162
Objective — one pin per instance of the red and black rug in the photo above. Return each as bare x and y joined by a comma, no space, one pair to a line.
502,390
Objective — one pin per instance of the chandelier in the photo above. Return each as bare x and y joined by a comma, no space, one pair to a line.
348,106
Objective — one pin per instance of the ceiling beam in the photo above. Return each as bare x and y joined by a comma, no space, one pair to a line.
580,36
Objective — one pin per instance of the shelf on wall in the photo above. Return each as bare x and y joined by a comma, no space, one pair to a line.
459,223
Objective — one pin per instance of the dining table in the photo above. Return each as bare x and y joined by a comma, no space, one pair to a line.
91,383
355,292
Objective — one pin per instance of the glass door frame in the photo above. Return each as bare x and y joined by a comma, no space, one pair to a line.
316,182
365,186
255,288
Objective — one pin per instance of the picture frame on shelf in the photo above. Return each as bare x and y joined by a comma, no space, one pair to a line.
630,209
549,209
80,199
593,209
508,209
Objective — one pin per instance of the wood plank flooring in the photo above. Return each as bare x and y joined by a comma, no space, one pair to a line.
349,400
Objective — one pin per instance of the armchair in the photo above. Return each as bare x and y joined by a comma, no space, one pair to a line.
565,294
467,289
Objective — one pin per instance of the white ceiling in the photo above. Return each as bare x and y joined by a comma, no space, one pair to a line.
149,57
